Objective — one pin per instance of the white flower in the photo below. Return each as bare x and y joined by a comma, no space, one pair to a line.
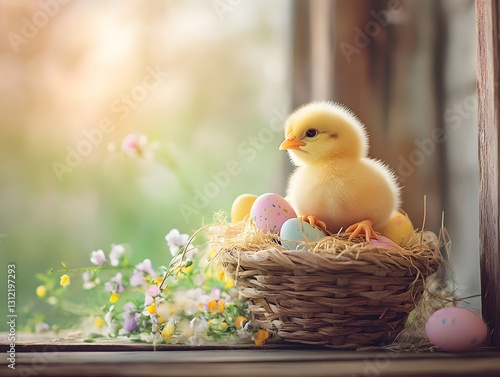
108,318
242,333
189,301
41,328
196,340
146,337
52,300
87,282
98,257
190,253
199,279
199,325
176,240
115,254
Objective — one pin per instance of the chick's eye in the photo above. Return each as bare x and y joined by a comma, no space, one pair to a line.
311,132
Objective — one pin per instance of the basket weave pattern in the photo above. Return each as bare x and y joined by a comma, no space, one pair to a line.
343,298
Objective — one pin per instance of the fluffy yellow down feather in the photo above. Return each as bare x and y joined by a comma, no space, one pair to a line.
336,186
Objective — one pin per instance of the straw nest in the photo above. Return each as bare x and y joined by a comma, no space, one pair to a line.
338,293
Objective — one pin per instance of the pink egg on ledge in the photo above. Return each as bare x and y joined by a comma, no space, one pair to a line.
456,329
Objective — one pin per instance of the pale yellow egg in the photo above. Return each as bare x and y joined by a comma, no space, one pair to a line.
398,229
241,207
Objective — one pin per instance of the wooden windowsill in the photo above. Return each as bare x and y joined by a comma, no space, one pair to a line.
52,356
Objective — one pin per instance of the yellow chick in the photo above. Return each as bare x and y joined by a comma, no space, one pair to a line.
336,186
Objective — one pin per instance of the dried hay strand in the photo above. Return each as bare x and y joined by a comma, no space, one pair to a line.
339,293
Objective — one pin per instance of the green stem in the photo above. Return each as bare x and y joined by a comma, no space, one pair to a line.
83,269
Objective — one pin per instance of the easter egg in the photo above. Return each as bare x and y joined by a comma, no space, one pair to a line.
456,329
398,229
241,207
270,211
295,232
383,242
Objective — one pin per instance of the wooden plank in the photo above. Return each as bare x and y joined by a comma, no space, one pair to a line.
42,355
487,19
50,343
216,364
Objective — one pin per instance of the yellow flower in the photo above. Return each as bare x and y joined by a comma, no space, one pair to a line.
216,306
212,304
238,322
168,331
262,336
229,284
161,319
151,309
65,280
212,252
158,280
223,325
99,322
221,305
41,290
114,297
221,273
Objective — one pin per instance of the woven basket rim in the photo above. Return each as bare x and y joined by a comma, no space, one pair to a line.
275,258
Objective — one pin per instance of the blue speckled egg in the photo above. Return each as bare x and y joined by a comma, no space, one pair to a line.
295,232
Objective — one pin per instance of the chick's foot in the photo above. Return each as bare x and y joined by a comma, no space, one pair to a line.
366,227
314,221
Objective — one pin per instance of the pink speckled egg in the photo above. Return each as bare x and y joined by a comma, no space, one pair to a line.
270,211
456,329
383,242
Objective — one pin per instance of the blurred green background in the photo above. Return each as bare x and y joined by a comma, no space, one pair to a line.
200,80
204,87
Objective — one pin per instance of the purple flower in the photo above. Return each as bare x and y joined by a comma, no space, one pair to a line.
115,284
129,307
146,267
154,290
215,294
140,270
137,279
148,300
130,321
98,257
130,317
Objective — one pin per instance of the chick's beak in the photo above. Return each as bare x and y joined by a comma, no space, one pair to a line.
291,142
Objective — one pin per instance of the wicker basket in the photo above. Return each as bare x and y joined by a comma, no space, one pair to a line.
341,294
